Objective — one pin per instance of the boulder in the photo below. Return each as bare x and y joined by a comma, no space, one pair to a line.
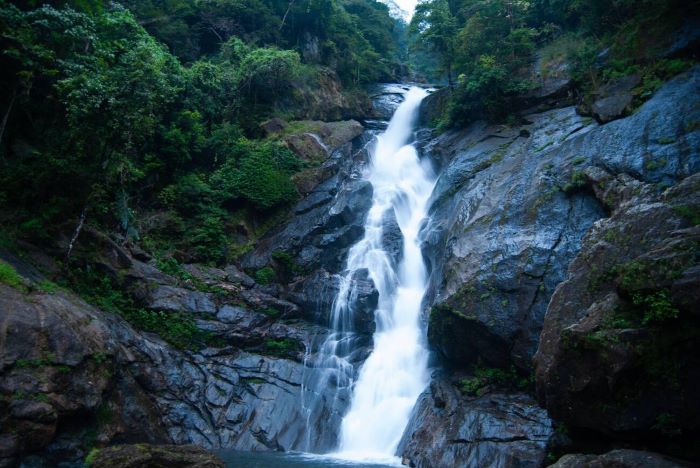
153,456
620,346
392,237
58,364
174,299
619,459
614,99
385,99
274,126
448,429
434,107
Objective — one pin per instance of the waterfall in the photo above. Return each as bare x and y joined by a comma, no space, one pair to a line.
395,373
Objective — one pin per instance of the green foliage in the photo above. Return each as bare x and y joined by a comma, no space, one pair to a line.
657,307
178,329
488,45
487,376
282,348
691,213
259,173
10,277
271,312
576,182
356,37
49,287
103,120
287,267
484,44
265,275
91,456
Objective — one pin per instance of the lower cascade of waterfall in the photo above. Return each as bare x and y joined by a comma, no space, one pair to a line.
388,384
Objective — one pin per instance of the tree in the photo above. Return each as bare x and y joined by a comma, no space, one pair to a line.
434,24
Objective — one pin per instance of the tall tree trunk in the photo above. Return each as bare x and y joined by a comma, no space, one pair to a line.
7,114
284,18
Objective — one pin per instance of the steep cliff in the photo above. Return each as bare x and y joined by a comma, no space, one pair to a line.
513,208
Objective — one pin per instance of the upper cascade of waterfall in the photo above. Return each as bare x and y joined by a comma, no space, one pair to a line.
396,372
401,9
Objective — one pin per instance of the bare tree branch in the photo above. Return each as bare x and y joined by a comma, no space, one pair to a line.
78,228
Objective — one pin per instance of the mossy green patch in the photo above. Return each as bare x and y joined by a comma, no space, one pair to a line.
10,277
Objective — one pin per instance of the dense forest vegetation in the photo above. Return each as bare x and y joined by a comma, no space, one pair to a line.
485,47
114,110
110,110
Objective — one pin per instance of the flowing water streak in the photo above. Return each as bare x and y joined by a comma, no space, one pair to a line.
395,373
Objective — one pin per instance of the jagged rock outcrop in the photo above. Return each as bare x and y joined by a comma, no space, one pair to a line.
59,378
73,375
621,339
510,210
385,100
448,429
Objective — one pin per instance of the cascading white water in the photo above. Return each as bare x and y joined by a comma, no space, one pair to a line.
395,373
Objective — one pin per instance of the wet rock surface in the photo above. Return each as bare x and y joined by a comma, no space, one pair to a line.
511,208
496,430
70,370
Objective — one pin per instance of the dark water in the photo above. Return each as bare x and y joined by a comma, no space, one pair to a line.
287,460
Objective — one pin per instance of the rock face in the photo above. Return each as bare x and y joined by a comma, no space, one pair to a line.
496,430
58,368
150,456
73,376
501,234
325,100
511,208
434,107
621,338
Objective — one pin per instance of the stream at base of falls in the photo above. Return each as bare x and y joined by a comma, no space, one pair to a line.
235,459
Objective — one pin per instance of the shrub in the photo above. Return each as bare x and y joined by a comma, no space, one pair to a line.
265,275
577,181
657,307
258,172
485,376
10,277
281,348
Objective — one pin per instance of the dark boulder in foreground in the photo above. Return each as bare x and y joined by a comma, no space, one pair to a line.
449,429
620,348
618,459
154,456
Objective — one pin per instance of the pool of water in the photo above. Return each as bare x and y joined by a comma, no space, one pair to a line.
235,459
